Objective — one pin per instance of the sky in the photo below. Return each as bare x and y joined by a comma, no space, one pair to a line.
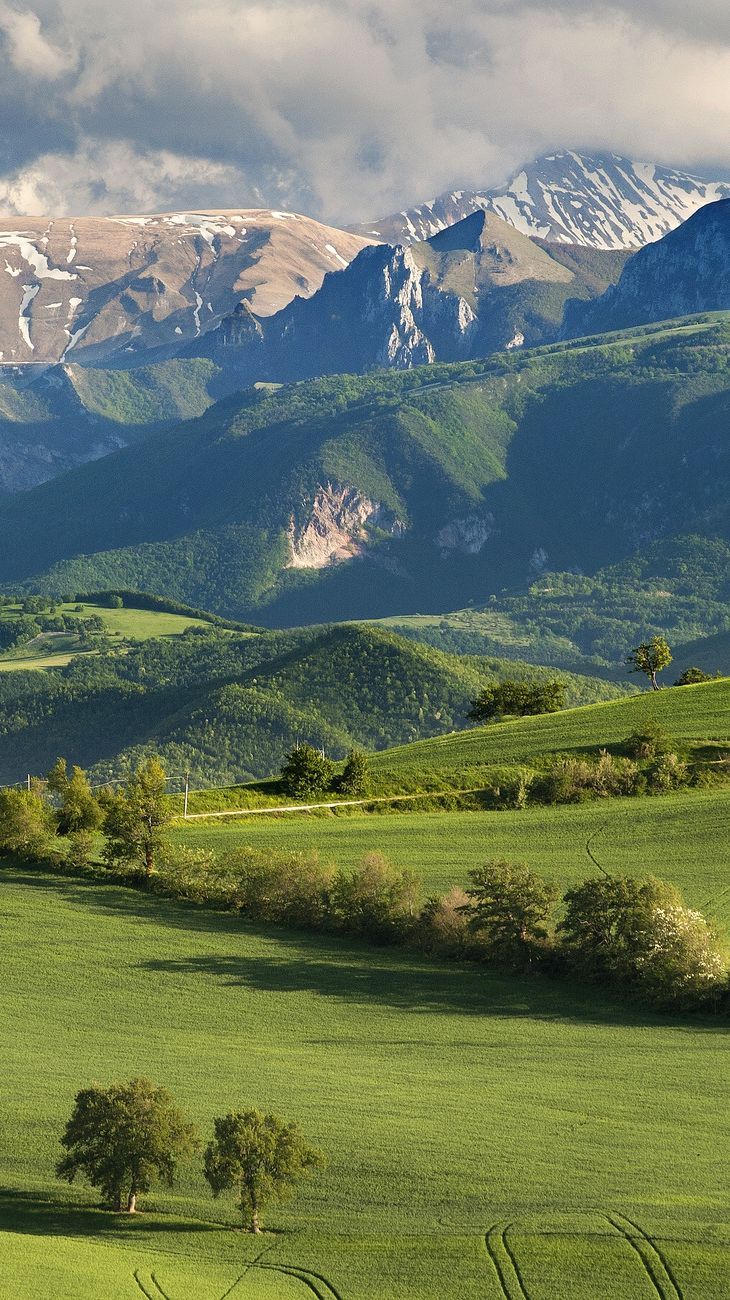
343,109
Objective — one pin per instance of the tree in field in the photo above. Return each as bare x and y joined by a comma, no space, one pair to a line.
650,658
509,908
355,778
376,899
260,1158
136,816
600,917
124,1138
306,772
26,822
78,810
517,699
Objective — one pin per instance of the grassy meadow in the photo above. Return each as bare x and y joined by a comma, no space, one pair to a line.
56,649
481,1129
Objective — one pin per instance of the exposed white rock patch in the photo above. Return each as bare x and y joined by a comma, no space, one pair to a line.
468,536
29,293
517,341
336,528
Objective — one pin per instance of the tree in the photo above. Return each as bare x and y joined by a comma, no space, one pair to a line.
135,817
78,810
517,699
650,658
509,906
261,1158
692,677
306,772
26,822
123,1138
355,778
596,928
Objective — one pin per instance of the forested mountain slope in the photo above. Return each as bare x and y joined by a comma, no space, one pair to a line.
346,497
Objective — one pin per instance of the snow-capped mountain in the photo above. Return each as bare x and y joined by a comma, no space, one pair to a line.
686,272
474,288
116,288
598,200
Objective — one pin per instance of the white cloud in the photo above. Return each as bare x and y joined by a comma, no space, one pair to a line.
351,108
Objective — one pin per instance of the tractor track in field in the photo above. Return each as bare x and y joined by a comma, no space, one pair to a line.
591,839
310,1279
656,1265
505,1262
157,1293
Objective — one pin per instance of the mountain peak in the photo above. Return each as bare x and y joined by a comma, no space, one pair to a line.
598,200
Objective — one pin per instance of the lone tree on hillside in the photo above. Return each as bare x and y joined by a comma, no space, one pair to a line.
123,1138
261,1158
517,699
355,778
306,771
135,817
650,658
509,907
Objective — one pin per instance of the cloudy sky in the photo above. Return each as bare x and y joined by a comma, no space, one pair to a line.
345,109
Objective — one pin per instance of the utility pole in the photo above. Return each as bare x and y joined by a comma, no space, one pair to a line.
187,788
29,783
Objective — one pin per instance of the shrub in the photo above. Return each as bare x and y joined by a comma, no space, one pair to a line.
306,772
692,677
509,907
652,739
678,961
286,888
355,778
444,925
667,772
517,698
377,900
569,780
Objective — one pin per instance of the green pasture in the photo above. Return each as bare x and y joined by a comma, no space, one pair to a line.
56,649
683,837
488,1136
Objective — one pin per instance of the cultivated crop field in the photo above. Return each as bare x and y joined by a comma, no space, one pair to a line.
56,649
487,1136
683,837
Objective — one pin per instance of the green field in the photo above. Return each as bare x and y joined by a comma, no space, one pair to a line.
682,837
480,1129
56,649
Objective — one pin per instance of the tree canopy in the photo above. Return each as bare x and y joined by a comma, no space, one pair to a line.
261,1158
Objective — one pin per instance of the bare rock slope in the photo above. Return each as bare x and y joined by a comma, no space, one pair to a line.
113,288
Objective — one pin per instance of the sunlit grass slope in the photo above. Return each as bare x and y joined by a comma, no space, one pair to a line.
469,1118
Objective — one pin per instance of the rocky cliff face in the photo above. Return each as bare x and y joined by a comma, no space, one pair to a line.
597,201
115,288
335,527
474,288
687,271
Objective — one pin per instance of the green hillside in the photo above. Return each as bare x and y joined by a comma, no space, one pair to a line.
451,1102
226,705
689,713
468,478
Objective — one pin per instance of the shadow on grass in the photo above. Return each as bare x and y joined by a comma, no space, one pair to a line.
345,970
39,1215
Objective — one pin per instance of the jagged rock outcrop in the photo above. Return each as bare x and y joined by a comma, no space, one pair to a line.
597,201
335,527
474,288
686,272
117,288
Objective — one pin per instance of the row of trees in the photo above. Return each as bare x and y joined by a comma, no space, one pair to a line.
307,771
125,1137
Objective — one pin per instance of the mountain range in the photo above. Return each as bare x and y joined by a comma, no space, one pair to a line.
115,289
476,287
595,200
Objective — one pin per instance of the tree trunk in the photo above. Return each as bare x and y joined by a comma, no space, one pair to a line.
654,682
255,1222
148,860
132,1202
117,1206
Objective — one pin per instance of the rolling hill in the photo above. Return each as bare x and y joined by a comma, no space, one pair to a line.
227,704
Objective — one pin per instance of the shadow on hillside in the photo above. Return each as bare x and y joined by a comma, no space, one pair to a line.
38,1215
346,970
